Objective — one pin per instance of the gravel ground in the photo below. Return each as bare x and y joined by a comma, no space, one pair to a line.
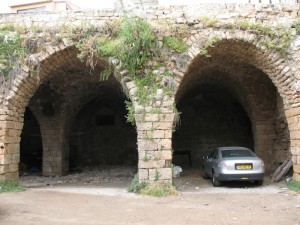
113,175
99,196
120,177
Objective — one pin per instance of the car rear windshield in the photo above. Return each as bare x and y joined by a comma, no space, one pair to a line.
236,153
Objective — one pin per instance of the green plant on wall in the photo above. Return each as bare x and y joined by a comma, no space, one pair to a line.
296,24
11,50
209,44
130,114
175,44
209,21
278,37
132,42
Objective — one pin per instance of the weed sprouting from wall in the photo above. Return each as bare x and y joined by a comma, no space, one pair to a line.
11,50
277,37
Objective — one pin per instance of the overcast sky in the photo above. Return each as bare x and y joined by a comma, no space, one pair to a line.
84,4
98,4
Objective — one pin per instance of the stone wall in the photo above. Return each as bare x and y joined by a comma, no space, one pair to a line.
271,14
265,83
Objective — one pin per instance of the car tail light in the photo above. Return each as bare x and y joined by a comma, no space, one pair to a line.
262,164
222,164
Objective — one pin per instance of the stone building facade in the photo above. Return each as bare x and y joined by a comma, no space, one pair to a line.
244,94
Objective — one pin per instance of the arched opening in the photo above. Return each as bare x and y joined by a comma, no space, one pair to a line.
68,99
100,135
31,148
227,100
210,117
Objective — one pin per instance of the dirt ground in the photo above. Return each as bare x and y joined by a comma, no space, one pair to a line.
100,197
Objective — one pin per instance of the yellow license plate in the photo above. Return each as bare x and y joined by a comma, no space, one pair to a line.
243,166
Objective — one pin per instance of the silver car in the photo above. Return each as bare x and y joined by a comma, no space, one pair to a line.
233,163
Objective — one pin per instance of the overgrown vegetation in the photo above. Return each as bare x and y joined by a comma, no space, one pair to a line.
297,27
136,186
156,190
130,112
132,41
11,50
294,185
10,186
272,37
175,44
209,44
159,190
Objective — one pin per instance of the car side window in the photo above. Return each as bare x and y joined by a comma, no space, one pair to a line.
215,154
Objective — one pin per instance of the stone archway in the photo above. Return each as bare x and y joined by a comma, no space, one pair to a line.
55,94
31,147
256,79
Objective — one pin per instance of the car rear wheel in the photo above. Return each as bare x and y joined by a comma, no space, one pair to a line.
259,182
215,181
204,174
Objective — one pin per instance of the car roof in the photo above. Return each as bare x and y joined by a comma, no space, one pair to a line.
233,148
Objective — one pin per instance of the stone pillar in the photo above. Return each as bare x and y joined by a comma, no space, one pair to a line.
10,130
155,147
53,140
154,124
293,118
264,135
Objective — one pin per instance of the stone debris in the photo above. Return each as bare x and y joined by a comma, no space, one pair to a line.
88,176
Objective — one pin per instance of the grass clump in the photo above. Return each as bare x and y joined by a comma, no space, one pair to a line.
136,186
156,190
132,41
294,185
297,26
130,115
209,44
11,50
10,186
159,190
175,44
210,22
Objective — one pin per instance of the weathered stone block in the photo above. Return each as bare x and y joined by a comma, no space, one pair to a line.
162,125
7,124
158,134
168,117
143,134
4,169
294,159
12,176
166,154
132,91
296,177
151,117
15,158
143,174
13,167
139,118
144,144
295,151
168,133
160,174
5,159
151,164
166,143
144,126
130,85
296,168
138,109
12,148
